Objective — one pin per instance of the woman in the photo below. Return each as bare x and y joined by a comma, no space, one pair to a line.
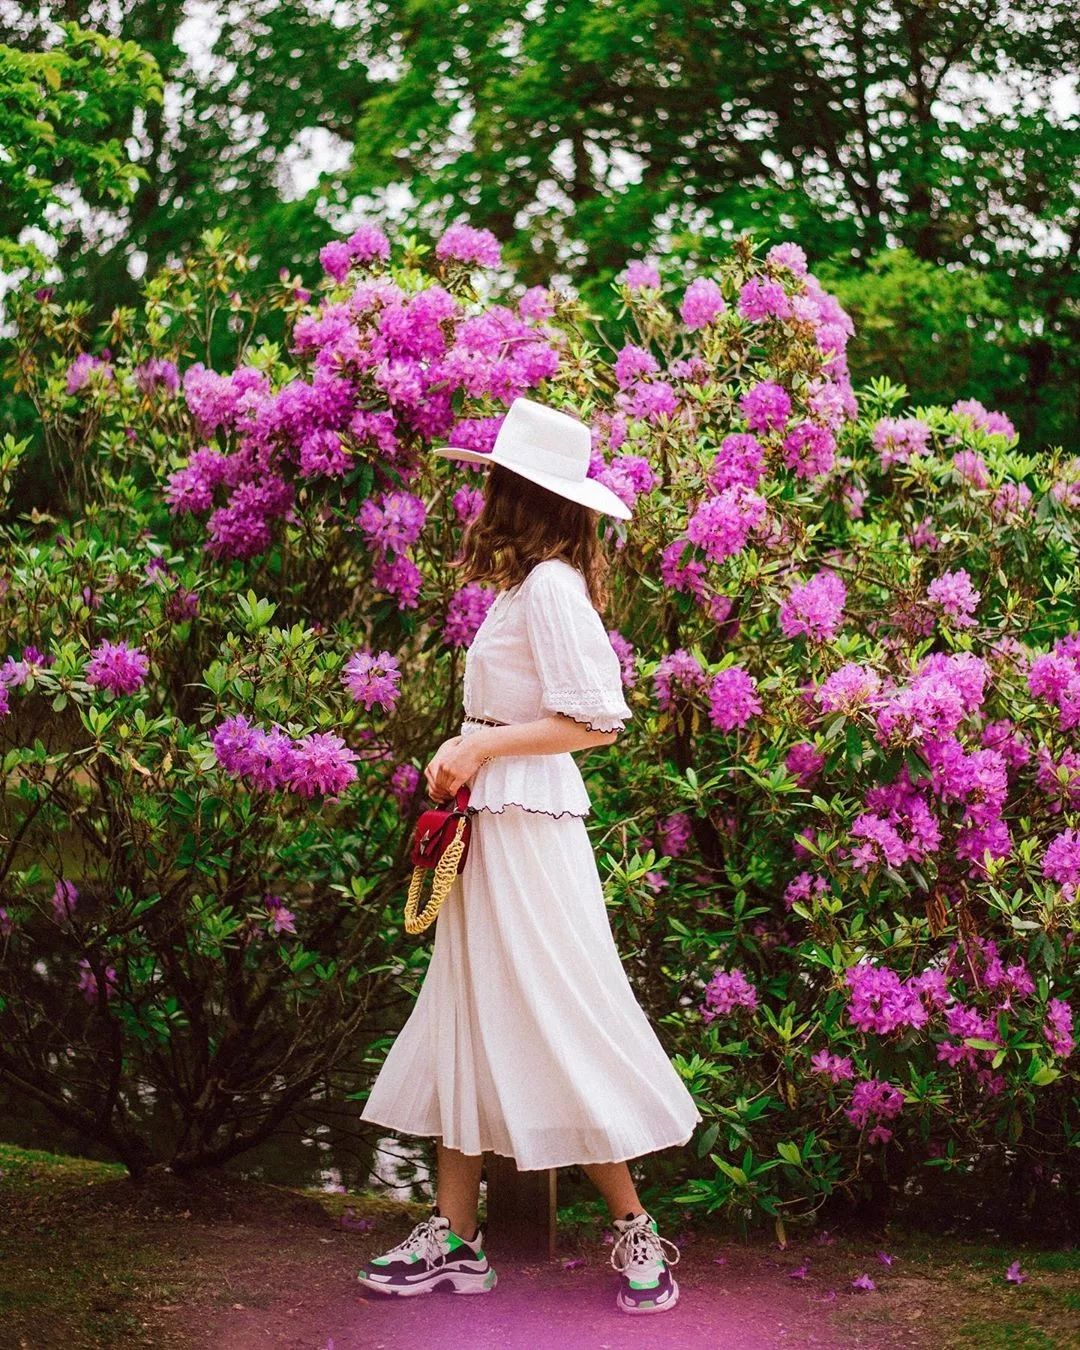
526,1038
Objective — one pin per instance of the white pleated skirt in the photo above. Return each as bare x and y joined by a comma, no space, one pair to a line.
526,1039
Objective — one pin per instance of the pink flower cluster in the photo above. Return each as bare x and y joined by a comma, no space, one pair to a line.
1055,677
733,698
373,680
465,613
875,1099
726,991
955,596
271,760
896,439
814,610
117,666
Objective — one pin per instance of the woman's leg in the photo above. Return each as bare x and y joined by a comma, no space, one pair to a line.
457,1190
616,1185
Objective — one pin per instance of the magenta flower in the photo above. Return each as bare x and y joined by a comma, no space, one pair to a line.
641,276
1061,862
848,689
7,927
400,577
677,676
702,303
993,423
809,450
88,981
368,244
323,764
740,461
733,698
403,783
726,991
465,613
335,260
804,762
1058,1028
632,363
954,594
864,1284
766,407
537,303
721,525
117,666
280,919
896,439
971,468
674,833
816,609
1014,1274
462,243
64,899
372,679
790,256
836,1067
762,298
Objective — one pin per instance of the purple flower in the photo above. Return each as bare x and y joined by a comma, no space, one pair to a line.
465,613
971,468
993,423
897,439
674,833
788,255
368,244
373,679
641,276
88,981
157,373
64,899
403,783
702,303
335,259
763,298
726,991
873,1098
280,919
816,609
677,675
809,450
848,689
864,1284
733,698
7,927
799,1273
804,762
632,363
721,525
462,243
117,666
1014,1274
766,407
1061,862
1058,1029
1012,501
836,1067
394,521
880,1001
955,595
740,461
536,303
400,577
323,764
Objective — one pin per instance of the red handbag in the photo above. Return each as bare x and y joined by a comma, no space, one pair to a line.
440,846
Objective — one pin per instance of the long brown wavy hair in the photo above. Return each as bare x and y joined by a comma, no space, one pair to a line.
522,524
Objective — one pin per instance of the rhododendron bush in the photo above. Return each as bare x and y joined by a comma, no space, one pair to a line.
840,836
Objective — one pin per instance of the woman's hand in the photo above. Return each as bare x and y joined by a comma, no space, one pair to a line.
454,763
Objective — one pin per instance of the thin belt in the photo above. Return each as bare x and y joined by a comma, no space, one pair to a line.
485,721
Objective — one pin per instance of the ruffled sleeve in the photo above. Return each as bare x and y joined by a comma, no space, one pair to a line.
579,671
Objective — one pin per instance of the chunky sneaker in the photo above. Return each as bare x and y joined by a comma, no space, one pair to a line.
431,1257
643,1259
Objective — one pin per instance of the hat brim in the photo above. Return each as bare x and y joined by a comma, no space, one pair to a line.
587,491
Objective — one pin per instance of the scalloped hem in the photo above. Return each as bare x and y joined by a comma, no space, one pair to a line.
544,1166
533,810
589,726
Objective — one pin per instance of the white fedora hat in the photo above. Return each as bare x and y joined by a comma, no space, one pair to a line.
549,448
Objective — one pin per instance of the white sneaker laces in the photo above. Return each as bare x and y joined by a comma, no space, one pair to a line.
640,1247
426,1239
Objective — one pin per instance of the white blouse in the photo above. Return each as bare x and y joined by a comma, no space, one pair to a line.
541,649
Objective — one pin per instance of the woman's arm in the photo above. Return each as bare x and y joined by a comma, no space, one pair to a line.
457,760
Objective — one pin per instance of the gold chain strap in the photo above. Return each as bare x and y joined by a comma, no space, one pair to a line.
443,874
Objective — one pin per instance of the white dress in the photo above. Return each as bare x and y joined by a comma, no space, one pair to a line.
526,1038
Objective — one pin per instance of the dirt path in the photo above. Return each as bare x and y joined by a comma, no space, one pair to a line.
89,1263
